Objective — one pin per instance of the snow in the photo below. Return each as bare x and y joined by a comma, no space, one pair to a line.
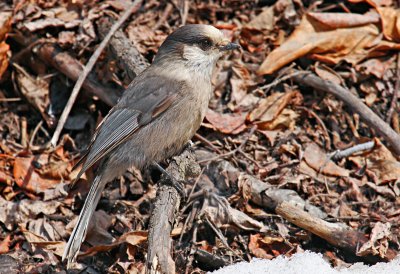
306,263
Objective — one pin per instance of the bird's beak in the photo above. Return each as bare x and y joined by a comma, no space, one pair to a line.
226,45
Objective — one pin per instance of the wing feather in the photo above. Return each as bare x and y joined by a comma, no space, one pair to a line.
140,104
119,126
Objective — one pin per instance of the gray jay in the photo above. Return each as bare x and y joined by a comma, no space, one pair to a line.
157,115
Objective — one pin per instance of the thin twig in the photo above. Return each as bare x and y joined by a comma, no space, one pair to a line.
283,78
340,154
393,103
35,131
10,100
90,64
24,132
207,142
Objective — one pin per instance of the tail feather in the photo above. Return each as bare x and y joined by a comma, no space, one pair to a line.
79,233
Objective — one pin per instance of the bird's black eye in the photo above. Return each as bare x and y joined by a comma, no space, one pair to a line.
205,44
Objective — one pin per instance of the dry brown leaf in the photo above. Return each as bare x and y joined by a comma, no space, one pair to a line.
36,91
374,66
66,38
133,238
57,247
255,247
5,27
228,123
271,112
382,162
267,247
222,214
254,33
8,213
285,120
323,40
329,74
390,23
335,20
4,56
28,178
378,243
271,135
240,81
263,21
97,230
320,162
5,24
5,244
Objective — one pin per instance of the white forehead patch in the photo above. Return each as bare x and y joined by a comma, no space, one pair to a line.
214,33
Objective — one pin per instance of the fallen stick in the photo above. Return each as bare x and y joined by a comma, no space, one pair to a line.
356,105
123,50
163,216
72,68
340,154
131,9
336,234
209,260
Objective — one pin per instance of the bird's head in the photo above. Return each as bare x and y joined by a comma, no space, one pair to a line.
199,46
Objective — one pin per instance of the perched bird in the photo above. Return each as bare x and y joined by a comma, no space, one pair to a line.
157,115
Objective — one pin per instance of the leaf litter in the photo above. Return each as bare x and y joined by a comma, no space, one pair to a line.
265,140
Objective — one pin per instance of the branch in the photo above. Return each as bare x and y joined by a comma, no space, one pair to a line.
336,234
123,50
72,68
163,215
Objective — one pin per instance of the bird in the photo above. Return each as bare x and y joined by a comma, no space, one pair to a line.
155,118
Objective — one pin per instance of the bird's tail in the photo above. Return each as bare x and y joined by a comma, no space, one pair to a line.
78,234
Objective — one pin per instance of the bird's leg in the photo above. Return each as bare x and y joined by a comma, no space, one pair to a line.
189,146
175,183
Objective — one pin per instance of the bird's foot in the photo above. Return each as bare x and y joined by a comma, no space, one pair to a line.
189,146
178,185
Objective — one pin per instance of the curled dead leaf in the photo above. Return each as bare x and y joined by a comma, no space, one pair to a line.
382,163
133,238
378,243
329,74
35,90
228,123
348,37
335,20
390,23
44,171
272,113
267,246
320,162
57,247
222,214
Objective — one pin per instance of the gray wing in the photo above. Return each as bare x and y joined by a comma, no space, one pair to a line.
142,102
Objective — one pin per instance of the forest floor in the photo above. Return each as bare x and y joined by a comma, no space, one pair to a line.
299,149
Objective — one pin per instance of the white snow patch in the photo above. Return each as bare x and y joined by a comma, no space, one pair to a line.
306,263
